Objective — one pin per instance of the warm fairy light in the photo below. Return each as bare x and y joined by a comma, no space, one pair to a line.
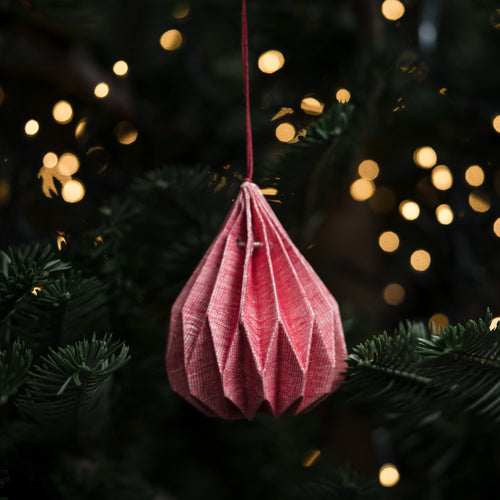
494,323
438,322
285,132
36,290
388,475
496,227
392,10
269,191
496,123
68,164
73,191
50,160
80,128
441,177
120,68
31,127
311,106
388,241
444,214
343,95
368,169
420,260
393,294
362,189
180,11
425,157
62,112
409,210
311,457
271,61
171,40
383,200
478,202
101,90
474,175
125,133
60,241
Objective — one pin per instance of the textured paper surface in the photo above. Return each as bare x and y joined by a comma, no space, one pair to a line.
254,328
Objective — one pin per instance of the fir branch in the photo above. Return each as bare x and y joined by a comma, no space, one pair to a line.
67,395
15,361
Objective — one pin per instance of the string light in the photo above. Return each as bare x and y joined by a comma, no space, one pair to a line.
61,240
425,157
343,95
444,214
478,202
269,191
392,10
68,164
285,132
420,260
474,175
496,227
394,294
31,127
388,475
311,106
73,191
36,290
494,323
101,90
388,241
171,40
311,457
125,133
50,160
180,11
368,169
362,189
62,112
409,209
271,61
441,177
80,128
120,68
496,123
438,322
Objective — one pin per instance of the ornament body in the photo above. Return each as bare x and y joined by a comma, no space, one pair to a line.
254,329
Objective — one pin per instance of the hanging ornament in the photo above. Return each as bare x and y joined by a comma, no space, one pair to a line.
254,329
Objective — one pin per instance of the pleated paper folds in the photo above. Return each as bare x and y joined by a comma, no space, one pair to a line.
254,328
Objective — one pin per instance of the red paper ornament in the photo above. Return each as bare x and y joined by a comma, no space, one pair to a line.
254,328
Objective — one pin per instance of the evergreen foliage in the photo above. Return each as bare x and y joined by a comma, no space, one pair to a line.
15,361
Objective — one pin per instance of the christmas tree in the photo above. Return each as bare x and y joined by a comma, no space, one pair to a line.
122,147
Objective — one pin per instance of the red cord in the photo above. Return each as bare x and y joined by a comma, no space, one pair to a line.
244,61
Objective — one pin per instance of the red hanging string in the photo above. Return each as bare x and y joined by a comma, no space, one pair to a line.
244,61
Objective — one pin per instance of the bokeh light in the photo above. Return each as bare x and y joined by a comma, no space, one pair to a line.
494,323
271,61
50,160
388,241
68,164
180,11
392,10
285,132
269,191
479,202
171,40
420,260
409,209
362,189
425,157
441,177
496,123
125,133
311,457
80,128
438,322
393,294
444,214
73,191
62,112
31,127
101,90
496,227
120,68
388,475
343,95
368,169
474,175
311,106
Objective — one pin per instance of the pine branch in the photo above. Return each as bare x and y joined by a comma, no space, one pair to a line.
15,361
69,392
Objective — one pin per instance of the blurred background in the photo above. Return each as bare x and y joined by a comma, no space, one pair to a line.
376,134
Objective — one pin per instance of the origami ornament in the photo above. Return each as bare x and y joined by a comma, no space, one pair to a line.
254,328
